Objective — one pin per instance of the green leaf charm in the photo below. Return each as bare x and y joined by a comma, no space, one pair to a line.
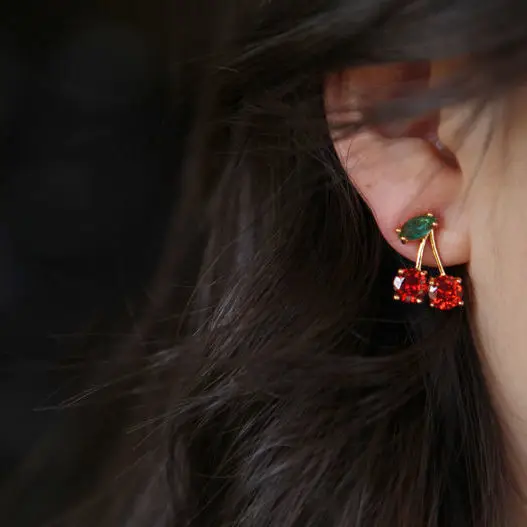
417,228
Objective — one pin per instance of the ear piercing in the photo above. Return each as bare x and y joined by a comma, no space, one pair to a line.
412,285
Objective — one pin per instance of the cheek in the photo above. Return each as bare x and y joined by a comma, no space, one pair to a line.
497,271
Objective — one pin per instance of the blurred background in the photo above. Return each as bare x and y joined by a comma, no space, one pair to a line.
88,153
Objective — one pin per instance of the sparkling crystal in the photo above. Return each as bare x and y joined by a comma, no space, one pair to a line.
410,286
417,228
445,292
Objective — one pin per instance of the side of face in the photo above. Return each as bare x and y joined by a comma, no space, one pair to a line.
481,203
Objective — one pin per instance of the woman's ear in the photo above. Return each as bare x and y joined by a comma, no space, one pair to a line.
401,176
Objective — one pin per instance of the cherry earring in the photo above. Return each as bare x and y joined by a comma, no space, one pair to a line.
410,285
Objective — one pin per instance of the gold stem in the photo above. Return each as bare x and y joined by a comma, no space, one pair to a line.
420,253
436,253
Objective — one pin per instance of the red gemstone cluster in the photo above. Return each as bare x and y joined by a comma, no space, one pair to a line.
444,292
410,285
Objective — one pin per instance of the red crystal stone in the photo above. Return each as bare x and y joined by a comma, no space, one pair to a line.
445,292
410,286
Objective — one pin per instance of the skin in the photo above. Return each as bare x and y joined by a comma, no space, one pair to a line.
482,206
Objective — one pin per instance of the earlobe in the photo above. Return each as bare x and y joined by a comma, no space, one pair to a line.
402,178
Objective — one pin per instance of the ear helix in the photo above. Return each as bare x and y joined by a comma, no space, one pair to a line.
411,285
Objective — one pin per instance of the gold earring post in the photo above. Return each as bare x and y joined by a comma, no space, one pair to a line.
436,253
420,253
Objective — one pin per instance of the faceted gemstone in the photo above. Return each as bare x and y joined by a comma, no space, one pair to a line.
417,228
445,292
410,286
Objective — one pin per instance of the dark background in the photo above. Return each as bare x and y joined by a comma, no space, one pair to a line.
88,150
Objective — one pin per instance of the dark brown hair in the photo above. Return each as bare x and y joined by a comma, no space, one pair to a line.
271,381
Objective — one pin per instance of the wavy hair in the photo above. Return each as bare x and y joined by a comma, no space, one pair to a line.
273,382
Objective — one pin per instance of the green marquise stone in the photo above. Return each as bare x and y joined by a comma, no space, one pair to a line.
417,228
